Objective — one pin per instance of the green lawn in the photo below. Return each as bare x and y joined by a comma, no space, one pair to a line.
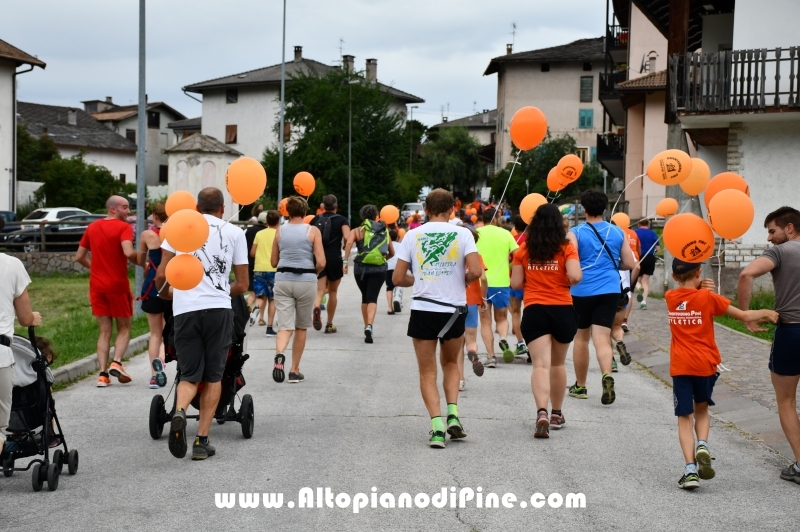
758,301
63,301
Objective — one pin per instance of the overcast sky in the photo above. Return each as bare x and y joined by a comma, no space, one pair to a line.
435,49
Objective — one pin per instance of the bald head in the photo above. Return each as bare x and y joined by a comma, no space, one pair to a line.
117,207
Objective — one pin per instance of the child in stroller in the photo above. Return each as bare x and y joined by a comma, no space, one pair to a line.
33,416
232,379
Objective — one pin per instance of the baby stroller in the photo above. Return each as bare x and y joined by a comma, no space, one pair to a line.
232,378
32,411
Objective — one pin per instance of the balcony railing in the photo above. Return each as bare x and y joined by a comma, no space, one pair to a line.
609,79
617,36
610,145
735,81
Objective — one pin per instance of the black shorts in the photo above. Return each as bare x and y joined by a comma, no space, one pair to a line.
596,310
370,285
560,321
202,340
647,265
426,325
153,305
688,390
333,268
250,287
784,356
389,283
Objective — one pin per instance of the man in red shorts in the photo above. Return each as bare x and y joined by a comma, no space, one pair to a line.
111,242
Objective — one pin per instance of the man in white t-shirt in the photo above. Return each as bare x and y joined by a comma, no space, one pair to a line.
203,321
13,300
444,260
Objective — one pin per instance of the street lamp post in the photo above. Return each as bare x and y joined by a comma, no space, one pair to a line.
411,137
283,107
350,152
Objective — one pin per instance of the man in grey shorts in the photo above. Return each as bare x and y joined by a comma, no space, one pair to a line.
204,321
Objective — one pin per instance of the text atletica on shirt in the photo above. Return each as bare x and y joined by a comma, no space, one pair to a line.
546,283
691,312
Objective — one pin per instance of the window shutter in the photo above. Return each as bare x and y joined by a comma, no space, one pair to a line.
586,88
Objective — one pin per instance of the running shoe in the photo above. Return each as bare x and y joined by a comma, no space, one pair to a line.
294,378
153,384
271,332
625,326
614,368
624,356
368,334
201,451
643,305
508,354
322,306
608,395
437,440
791,473
317,321
160,377
330,328
689,481
542,426
396,306
116,370
103,381
703,458
177,434
640,296
477,365
490,363
579,392
454,428
277,372
522,350
557,421
462,385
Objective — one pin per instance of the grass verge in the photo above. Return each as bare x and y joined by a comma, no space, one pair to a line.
758,301
63,301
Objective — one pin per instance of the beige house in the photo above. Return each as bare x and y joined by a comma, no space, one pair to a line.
561,81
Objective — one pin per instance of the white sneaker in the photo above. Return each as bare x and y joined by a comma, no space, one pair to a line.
462,385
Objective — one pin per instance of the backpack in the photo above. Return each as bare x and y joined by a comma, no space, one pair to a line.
325,225
373,248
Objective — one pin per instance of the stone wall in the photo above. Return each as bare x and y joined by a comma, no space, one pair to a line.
47,263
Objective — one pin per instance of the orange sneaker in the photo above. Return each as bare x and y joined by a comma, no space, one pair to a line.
103,381
118,371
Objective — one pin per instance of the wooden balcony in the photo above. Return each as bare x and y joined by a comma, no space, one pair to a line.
611,153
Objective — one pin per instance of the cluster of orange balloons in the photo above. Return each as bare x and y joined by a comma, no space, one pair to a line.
186,230
528,128
568,170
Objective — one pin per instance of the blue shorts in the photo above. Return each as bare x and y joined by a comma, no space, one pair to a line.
516,294
472,317
784,356
499,297
263,284
688,389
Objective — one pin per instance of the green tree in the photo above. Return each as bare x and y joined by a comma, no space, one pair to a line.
535,164
73,182
449,157
32,153
318,109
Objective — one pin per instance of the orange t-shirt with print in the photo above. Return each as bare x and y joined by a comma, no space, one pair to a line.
474,292
546,284
633,240
691,314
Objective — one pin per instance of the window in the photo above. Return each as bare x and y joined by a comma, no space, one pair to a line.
163,173
153,119
493,138
122,178
593,154
587,83
583,153
232,96
585,118
545,67
587,67
130,134
231,136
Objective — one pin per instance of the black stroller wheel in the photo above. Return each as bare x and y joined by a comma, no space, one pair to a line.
8,467
158,415
58,458
36,477
72,461
53,472
246,416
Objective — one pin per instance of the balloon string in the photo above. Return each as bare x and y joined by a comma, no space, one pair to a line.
719,265
516,162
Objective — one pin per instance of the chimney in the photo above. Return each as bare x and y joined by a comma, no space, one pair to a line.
108,100
485,117
444,119
652,61
372,70
72,117
298,53
348,62
509,48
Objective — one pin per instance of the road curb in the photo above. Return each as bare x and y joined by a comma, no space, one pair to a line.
75,370
740,333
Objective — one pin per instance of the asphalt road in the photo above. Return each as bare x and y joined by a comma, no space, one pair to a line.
358,422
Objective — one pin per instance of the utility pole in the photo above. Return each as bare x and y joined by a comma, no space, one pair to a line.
283,107
141,175
410,134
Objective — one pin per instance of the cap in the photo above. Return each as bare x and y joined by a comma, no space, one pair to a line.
679,266
262,217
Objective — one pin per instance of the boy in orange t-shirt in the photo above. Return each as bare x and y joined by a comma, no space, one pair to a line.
693,361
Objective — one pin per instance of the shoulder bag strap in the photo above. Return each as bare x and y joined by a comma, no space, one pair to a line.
613,260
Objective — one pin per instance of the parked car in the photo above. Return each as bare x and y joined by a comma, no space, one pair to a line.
409,209
11,222
50,214
62,236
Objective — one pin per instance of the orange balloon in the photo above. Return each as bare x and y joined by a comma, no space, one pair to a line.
162,234
670,167
554,183
188,231
569,168
184,272
474,218
723,181
667,207
179,200
452,215
282,207
529,204
528,128
245,180
307,219
622,220
390,214
689,238
304,184
731,213
698,178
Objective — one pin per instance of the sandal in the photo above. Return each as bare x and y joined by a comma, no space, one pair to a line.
261,323
277,372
